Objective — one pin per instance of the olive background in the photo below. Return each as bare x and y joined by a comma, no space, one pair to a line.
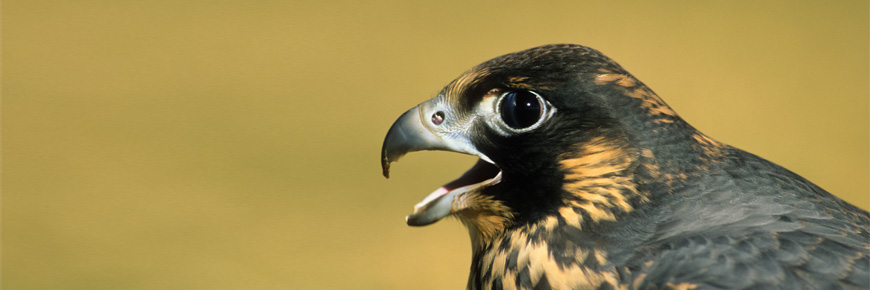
235,144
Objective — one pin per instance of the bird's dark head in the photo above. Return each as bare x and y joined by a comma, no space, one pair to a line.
559,130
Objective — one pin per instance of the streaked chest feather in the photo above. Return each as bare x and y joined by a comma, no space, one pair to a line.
532,255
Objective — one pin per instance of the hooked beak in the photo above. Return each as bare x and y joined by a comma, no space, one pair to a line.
420,129
408,134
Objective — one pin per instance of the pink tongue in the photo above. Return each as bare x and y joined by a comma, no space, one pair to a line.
481,171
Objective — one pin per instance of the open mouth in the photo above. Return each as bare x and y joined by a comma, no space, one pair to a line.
440,203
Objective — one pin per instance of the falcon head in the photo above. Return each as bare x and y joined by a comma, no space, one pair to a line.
560,132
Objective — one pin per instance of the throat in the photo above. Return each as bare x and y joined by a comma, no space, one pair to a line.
484,218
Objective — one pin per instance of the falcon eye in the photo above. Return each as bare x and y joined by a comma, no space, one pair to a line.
521,110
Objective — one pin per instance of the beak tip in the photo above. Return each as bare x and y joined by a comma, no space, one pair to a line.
386,170
385,164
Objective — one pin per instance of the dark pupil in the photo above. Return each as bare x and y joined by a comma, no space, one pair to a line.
520,109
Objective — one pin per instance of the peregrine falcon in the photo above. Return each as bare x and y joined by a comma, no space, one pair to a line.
586,179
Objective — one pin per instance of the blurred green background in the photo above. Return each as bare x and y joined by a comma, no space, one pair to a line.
235,144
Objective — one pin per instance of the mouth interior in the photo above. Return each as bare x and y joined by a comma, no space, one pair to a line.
480,172
439,203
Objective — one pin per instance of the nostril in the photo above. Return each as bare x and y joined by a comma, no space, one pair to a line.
437,118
